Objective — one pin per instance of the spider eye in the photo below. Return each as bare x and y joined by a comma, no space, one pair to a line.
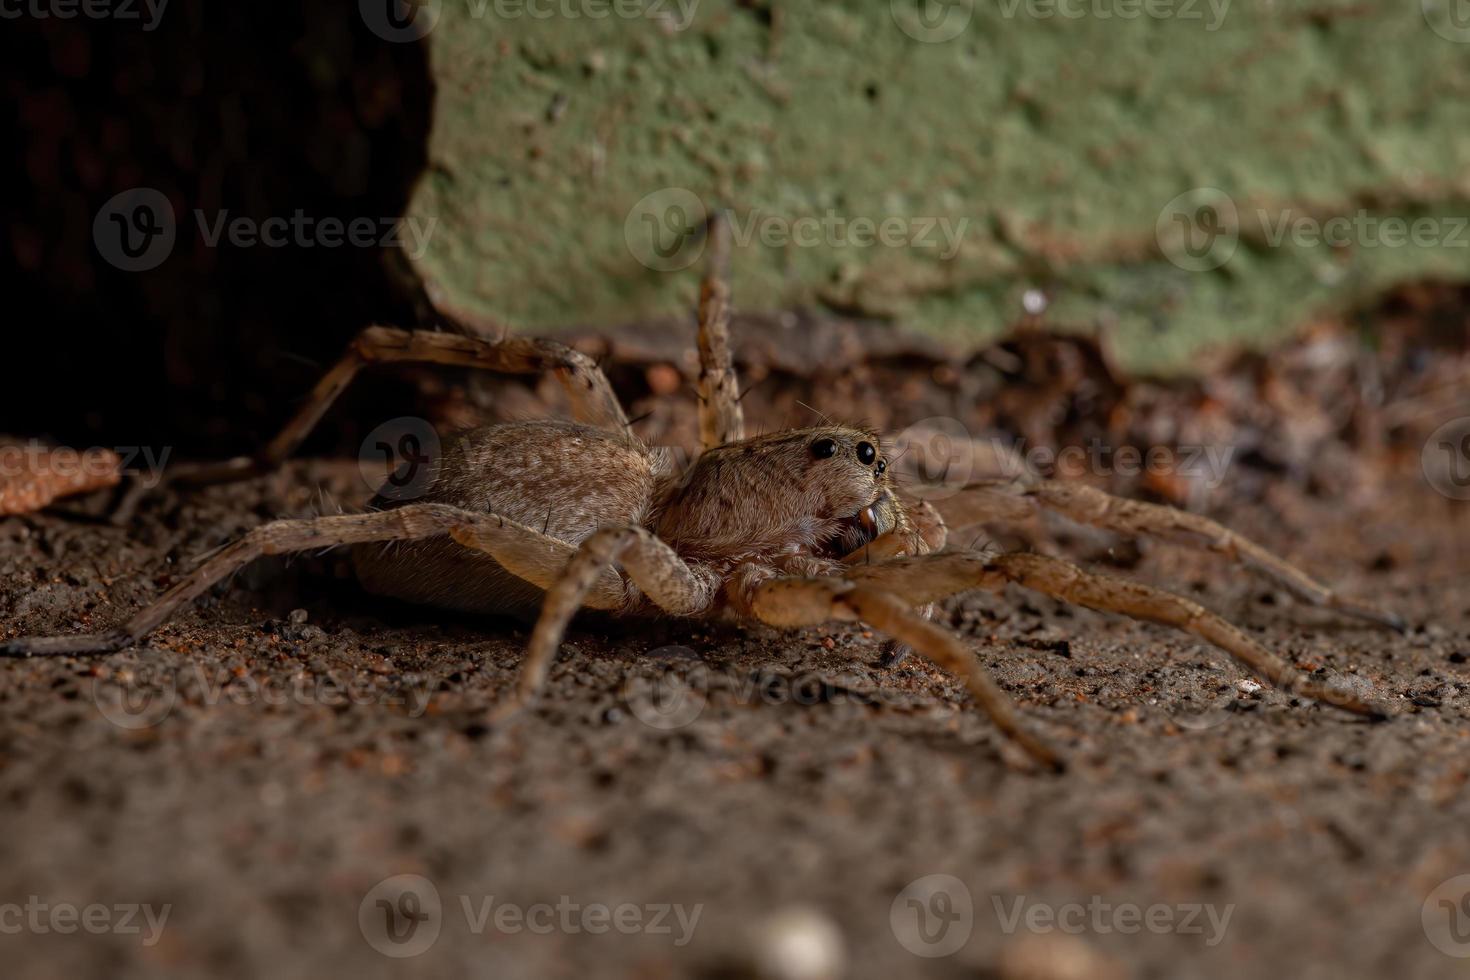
866,453
824,449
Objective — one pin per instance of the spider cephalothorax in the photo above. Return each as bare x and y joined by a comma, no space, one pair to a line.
821,493
791,529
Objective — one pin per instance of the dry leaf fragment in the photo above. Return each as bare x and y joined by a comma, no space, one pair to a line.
32,476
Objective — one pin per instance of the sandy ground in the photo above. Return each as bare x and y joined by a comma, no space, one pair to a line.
270,758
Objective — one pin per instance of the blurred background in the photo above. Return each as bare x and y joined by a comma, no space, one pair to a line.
1176,183
218,108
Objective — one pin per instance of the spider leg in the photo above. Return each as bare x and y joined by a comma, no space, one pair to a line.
796,602
278,537
1000,500
591,395
537,558
654,568
721,418
928,578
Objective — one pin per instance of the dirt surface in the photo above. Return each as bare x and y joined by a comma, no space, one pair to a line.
271,756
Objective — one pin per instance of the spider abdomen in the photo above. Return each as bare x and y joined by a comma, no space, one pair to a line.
561,478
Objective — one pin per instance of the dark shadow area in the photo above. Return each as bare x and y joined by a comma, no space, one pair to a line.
228,111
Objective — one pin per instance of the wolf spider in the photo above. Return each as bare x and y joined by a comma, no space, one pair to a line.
791,529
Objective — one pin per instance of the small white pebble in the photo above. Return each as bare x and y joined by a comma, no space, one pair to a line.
1034,301
799,943
1248,686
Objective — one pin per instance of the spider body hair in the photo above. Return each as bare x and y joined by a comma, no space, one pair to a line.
768,506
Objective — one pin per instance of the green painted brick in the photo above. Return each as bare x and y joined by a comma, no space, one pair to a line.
1050,144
